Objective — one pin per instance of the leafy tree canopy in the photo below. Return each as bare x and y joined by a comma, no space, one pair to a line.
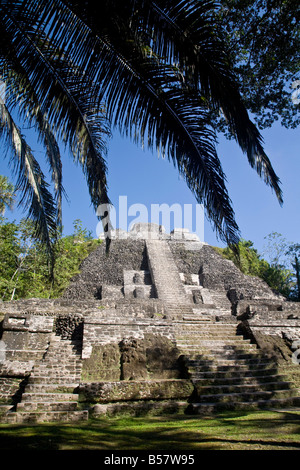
263,38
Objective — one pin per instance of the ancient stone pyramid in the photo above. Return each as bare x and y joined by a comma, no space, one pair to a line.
162,325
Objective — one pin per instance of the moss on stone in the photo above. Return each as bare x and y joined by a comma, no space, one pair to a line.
103,364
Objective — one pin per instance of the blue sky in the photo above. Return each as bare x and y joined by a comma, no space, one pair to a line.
146,179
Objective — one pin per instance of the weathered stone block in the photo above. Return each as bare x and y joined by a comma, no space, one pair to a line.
152,356
133,359
105,392
103,364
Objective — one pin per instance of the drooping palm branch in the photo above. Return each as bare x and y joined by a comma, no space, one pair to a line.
159,67
31,181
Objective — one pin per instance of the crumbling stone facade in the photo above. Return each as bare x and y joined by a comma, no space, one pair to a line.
163,324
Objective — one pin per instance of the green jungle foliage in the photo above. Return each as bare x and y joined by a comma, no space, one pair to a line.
281,275
25,271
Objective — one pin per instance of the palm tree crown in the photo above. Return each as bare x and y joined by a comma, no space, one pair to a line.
154,69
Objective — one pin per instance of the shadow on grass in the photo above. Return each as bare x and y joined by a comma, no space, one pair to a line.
227,431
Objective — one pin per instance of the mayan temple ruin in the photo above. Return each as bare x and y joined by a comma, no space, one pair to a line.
162,325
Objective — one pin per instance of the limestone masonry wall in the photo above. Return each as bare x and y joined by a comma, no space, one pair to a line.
138,325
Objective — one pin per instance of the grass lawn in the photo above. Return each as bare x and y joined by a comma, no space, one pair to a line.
264,430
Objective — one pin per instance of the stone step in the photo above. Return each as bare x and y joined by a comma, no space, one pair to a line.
204,326
164,272
227,371
47,406
68,355
48,417
4,409
57,377
40,397
24,355
214,389
212,311
210,335
239,380
217,362
194,320
217,342
208,408
204,340
57,339
47,387
49,394
53,379
68,348
63,362
219,347
232,372
207,317
65,369
68,352
44,379
16,368
55,343
7,389
201,317
141,408
217,353
220,356
48,369
181,307
246,396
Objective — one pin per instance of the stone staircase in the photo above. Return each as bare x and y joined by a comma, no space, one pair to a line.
9,393
173,316
228,372
50,394
165,274
218,299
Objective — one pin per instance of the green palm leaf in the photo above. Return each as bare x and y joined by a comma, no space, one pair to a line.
160,68
31,182
144,100
60,106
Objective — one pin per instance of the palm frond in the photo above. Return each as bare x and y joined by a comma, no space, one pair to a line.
143,99
184,32
36,197
62,97
29,110
161,68
188,38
